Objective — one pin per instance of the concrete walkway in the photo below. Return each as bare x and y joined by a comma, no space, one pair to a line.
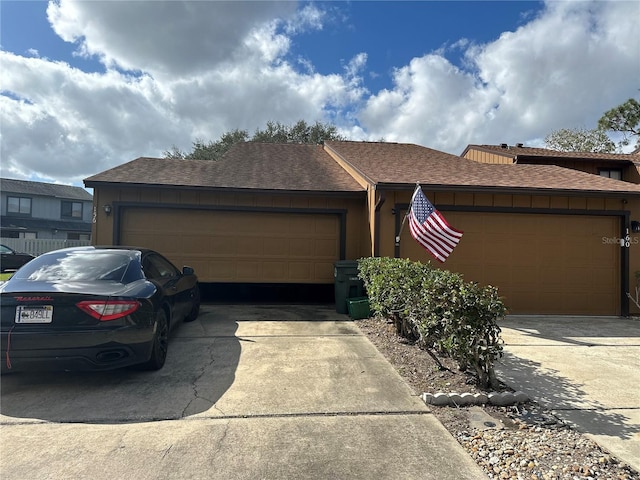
248,392
586,369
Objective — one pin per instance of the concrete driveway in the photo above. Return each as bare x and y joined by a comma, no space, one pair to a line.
586,369
248,392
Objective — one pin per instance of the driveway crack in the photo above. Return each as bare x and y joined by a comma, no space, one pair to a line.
194,384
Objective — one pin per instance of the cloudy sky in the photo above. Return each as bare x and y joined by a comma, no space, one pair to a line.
87,85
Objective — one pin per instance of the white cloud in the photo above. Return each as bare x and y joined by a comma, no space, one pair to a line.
199,69
78,123
307,18
66,123
563,69
163,37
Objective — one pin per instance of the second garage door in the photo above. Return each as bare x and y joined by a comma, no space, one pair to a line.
542,264
243,247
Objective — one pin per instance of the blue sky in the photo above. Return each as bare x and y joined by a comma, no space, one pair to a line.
392,33
88,85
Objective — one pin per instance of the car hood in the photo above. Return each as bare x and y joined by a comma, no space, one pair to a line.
101,288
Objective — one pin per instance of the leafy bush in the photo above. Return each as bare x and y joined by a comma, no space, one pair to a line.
438,310
390,284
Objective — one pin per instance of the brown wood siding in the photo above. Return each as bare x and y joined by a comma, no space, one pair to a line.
487,157
541,263
240,246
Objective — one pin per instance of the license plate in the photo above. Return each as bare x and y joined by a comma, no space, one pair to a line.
34,314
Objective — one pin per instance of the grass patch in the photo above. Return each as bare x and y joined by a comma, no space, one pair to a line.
5,276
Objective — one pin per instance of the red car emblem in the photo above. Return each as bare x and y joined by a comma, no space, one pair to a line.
34,299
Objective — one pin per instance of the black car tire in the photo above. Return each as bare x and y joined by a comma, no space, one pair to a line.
160,343
195,310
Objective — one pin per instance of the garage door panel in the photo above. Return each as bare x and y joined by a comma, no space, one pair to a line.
220,246
324,270
275,247
248,270
495,249
276,271
606,253
225,270
555,264
301,248
248,246
326,226
577,280
275,226
502,277
252,247
327,248
165,243
300,271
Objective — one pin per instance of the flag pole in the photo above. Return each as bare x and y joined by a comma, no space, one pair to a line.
405,217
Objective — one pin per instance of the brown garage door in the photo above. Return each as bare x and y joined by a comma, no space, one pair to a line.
542,264
251,247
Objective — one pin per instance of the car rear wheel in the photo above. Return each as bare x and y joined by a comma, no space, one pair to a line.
160,343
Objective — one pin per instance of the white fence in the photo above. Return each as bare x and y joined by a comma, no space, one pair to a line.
39,246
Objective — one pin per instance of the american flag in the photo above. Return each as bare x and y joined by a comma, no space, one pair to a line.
430,229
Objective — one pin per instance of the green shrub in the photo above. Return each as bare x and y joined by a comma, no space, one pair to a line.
390,284
439,311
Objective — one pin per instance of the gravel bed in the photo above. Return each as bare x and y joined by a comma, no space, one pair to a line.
523,442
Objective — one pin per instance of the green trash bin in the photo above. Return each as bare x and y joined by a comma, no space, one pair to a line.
347,284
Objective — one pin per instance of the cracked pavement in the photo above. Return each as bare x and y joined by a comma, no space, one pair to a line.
248,391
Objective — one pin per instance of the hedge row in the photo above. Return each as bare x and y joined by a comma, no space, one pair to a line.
439,311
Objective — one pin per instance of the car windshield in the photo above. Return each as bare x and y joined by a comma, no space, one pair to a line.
75,266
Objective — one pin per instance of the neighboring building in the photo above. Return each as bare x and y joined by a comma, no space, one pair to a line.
282,214
36,210
620,166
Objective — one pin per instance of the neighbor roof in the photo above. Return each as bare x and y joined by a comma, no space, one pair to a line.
44,224
517,151
247,165
25,187
396,164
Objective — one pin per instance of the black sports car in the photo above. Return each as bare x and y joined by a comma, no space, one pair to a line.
94,308
12,260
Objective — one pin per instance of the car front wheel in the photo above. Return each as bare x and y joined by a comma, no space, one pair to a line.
195,309
160,343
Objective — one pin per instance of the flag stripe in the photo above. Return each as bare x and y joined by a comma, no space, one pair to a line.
427,236
437,231
438,250
430,229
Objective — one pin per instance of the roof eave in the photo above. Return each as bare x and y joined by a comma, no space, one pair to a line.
505,190
258,191
550,158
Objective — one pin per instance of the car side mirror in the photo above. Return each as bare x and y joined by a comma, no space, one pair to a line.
188,271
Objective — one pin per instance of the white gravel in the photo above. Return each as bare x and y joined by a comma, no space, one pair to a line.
531,444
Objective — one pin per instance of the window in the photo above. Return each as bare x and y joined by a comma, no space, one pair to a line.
72,209
19,234
614,173
78,236
157,267
18,206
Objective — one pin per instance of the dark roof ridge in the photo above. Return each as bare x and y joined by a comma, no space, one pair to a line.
514,151
57,190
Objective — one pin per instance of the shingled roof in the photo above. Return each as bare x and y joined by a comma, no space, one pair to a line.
396,164
312,168
26,187
517,151
249,165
